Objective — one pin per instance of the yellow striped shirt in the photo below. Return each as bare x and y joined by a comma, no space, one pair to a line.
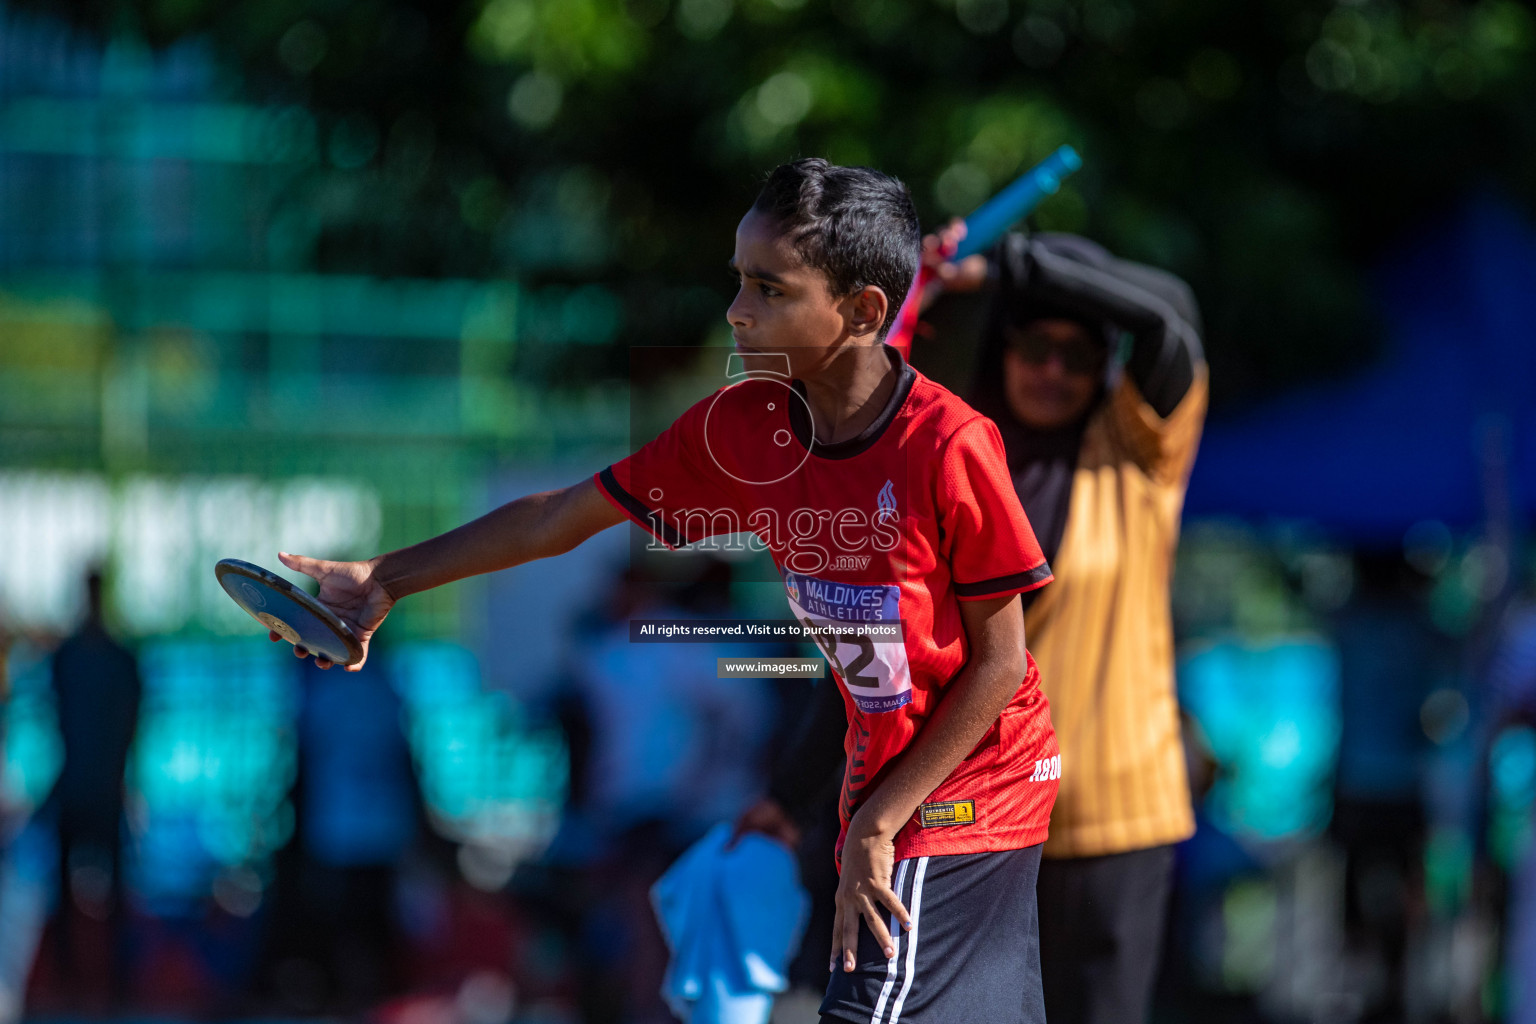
1102,634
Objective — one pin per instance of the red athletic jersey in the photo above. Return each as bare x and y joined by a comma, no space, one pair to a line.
903,522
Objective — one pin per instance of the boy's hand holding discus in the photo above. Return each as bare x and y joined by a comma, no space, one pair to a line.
351,591
536,526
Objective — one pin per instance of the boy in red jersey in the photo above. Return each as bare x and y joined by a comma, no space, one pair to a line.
887,505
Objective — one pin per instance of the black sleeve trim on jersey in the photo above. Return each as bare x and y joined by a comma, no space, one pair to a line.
647,518
1039,576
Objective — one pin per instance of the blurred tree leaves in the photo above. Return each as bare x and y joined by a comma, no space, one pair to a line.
1268,151
562,39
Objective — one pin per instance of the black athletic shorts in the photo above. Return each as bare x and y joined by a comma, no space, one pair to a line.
1101,922
971,957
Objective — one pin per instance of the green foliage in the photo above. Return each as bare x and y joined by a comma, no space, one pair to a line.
1267,151
571,39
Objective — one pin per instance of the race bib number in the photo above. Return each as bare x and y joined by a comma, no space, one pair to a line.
874,670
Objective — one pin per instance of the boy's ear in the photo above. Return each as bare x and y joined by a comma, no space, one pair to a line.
869,306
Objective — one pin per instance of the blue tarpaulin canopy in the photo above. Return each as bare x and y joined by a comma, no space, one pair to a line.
1411,438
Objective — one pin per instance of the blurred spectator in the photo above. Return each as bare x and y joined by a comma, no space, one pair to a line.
668,740
96,692
1512,694
1093,369
334,938
1390,660
669,749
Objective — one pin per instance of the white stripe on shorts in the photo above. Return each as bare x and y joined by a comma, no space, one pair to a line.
896,936
913,909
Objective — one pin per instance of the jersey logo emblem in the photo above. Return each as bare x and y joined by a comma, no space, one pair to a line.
951,812
886,501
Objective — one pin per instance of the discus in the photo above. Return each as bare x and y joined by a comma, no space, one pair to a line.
288,611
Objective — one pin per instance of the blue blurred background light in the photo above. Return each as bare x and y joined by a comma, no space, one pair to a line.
216,751
214,760
32,752
490,776
1512,770
1270,714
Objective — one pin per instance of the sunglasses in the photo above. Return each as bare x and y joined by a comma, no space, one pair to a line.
1036,349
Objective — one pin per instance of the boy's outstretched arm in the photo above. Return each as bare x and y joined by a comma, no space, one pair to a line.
536,526
970,704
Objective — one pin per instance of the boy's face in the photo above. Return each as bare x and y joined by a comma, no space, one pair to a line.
785,307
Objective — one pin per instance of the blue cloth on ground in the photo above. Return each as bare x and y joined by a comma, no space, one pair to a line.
733,920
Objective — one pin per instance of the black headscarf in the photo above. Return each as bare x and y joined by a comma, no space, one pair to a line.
1041,462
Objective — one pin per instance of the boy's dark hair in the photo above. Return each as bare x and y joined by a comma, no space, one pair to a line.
853,224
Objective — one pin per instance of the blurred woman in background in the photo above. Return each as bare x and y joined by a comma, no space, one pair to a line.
1093,369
